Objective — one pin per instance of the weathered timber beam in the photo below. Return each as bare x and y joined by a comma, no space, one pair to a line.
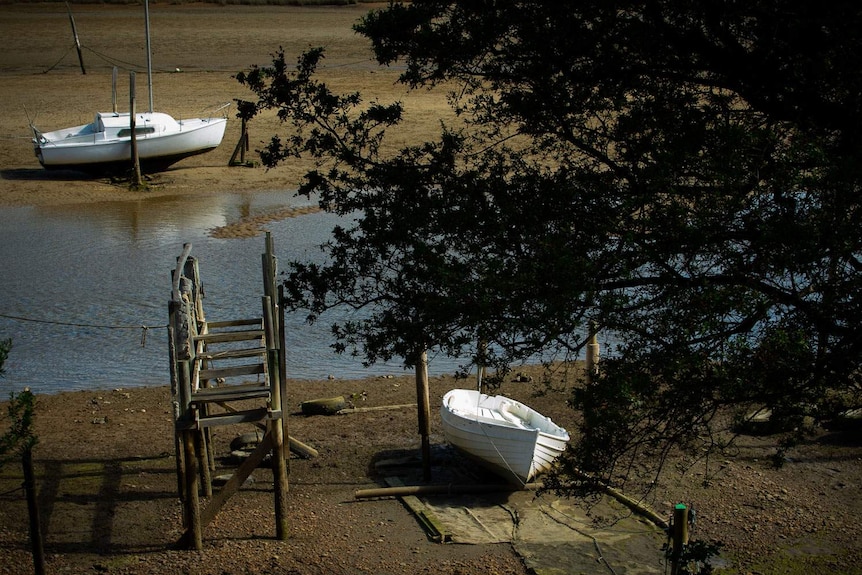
441,490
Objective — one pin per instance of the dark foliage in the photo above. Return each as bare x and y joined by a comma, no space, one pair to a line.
686,175
18,436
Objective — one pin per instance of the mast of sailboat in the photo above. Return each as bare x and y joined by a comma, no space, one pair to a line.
149,53
114,90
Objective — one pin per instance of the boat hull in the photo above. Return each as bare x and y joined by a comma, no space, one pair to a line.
507,437
87,149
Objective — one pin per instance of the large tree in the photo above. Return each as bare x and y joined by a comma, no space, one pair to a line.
686,175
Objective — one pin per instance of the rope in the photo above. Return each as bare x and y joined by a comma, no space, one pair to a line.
115,61
60,60
144,328
491,439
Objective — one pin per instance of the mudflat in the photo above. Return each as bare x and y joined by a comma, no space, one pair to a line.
106,479
197,49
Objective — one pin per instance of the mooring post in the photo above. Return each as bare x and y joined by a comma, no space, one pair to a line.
77,41
136,163
423,403
680,536
592,358
480,366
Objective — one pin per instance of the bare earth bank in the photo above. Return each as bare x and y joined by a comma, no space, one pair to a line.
106,471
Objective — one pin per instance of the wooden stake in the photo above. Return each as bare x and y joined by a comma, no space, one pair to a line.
175,400
680,536
241,146
202,446
136,163
282,374
480,367
37,547
194,527
77,42
592,359
114,90
423,401
274,428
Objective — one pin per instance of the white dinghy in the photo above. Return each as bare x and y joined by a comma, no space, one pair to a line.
510,438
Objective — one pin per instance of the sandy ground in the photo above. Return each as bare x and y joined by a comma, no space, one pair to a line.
107,488
107,492
197,49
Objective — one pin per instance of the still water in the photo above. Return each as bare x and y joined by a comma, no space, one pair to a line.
78,284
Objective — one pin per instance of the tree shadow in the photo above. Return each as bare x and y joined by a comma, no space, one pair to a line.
451,471
103,505
43,175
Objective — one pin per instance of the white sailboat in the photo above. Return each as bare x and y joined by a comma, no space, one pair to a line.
106,143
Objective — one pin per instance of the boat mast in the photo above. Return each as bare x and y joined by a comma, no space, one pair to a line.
149,54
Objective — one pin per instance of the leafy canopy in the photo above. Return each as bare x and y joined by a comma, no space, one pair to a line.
686,175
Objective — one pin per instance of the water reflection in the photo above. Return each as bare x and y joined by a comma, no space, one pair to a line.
89,278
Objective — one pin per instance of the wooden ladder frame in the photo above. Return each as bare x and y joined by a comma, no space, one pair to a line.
205,359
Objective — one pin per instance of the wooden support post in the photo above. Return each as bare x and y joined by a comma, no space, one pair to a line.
114,89
282,375
202,447
194,529
77,41
680,536
189,337
280,485
274,428
592,357
245,147
480,366
423,402
175,391
136,163
36,546
241,147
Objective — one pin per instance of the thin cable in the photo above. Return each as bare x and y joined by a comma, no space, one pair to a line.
72,324
63,57
491,441
115,61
